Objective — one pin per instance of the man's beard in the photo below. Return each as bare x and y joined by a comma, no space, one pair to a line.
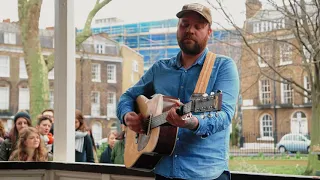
191,49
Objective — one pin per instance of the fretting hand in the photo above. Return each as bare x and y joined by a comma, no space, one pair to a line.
186,121
134,122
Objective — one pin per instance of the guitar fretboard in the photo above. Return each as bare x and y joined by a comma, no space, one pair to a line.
161,119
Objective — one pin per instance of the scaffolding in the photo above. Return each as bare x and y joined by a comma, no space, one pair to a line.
154,39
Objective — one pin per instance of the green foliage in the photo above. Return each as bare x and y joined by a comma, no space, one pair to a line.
261,155
101,149
298,155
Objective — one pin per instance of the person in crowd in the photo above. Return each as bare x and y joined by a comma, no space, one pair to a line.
44,126
2,132
106,154
117,154
201,150
94,148
21,121
83,143
50,113
29,147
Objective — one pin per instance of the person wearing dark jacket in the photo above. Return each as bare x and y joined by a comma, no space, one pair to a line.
21,120
106,155
83,143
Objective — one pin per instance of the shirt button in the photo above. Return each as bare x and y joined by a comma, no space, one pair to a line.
177,139
185,71
175,156
182,87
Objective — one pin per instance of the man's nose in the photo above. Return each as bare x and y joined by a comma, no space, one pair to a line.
190,29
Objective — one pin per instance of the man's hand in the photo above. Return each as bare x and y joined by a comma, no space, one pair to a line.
182,121
134,121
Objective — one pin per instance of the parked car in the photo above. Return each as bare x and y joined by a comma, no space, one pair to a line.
294,143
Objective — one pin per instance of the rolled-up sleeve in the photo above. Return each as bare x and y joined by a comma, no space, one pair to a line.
228,82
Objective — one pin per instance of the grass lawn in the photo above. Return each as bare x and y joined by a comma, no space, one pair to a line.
274,165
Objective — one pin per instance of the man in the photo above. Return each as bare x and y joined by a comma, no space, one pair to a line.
49,113
201,150
44,125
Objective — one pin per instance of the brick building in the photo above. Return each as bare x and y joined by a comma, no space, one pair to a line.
271,107
99,75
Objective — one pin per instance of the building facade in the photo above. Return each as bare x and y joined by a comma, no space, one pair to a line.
154,40
271,104
99,76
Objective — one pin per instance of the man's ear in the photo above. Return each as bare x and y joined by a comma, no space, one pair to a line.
209,31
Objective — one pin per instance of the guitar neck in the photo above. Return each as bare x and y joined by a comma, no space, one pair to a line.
161,119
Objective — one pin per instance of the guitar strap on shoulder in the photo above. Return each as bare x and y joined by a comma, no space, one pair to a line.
205,73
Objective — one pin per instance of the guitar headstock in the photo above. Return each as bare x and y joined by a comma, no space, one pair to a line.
206,103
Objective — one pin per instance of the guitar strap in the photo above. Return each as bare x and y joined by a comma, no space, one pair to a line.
205,73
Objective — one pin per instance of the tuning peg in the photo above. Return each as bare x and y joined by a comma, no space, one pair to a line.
210,115
212,93
205,95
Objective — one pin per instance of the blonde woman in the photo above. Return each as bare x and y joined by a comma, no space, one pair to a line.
30,147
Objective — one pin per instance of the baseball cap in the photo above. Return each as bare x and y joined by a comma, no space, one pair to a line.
198,8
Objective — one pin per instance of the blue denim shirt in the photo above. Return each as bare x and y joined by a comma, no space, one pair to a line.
194,156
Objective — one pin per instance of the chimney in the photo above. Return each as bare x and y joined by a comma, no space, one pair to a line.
252,7
6,20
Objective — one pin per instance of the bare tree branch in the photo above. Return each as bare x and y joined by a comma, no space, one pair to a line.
86,32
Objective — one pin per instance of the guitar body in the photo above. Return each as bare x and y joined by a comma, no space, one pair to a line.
144,151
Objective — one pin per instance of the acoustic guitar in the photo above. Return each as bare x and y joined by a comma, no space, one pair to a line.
144,151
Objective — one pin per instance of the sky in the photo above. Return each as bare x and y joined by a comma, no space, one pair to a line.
127,10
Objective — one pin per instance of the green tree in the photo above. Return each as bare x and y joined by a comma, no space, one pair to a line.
37,65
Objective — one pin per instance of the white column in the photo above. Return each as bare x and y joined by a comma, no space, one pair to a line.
64,81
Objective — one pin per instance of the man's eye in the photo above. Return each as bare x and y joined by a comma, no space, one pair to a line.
184,24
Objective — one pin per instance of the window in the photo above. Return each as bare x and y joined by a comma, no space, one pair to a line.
307,85
51,74
9,38
99,48
285,54
111,73
95,103
135,66
4,66
95,72
51,99
299,123
4,98
111,105
266,54
265,91
23,70
24,98
255,27
266,126
96,131
286,93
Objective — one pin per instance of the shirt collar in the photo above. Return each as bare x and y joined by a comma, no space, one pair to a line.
199,61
